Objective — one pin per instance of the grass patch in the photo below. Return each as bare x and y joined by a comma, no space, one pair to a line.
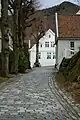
60,79
4,79
70,88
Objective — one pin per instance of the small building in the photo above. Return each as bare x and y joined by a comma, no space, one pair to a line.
46,53
67,36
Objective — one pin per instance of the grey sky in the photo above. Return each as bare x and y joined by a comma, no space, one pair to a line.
49,3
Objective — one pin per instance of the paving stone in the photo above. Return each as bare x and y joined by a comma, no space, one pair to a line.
30,98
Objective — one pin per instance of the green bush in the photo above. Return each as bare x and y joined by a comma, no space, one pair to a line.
10,61
23,62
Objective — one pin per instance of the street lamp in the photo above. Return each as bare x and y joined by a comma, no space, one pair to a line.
37,63
39,35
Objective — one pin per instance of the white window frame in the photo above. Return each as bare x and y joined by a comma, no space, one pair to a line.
72,47
48,55
54,56
71,42
46,44
41,45
52,44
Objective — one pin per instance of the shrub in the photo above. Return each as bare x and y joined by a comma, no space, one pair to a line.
10,61
23,62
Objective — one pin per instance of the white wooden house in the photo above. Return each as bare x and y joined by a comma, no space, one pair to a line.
46,54
67,36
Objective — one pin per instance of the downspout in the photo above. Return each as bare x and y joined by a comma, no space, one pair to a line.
29,45
56,38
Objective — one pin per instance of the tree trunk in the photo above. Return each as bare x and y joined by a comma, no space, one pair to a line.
5,38
37,64
37,51
15,42
19,27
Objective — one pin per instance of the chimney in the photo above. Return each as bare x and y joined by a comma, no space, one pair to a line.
56,39
29,43
56,18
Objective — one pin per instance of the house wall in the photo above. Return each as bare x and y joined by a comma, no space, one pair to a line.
43,50
63,45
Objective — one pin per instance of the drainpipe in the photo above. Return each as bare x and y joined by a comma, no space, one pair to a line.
29,44
56,38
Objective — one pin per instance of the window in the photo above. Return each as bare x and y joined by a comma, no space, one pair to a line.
49,36
54,56
72,47
72,44
72,52
41,45
46,44
52,44
49,55
39,55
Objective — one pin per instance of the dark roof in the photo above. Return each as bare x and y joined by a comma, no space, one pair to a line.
69,26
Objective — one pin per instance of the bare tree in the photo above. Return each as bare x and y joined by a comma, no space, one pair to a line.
20,10
39,32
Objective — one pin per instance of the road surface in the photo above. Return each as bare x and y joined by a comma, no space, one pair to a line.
32,98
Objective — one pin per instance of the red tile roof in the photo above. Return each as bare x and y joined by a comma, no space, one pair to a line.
69,26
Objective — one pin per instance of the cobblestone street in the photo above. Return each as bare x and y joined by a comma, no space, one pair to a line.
30,98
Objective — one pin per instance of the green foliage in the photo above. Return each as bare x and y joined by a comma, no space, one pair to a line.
71,67
22,63
10,60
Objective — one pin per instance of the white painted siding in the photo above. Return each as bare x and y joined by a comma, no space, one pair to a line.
65,44
43,50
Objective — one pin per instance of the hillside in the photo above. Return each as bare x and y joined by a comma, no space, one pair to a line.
68,76
63,8
48,18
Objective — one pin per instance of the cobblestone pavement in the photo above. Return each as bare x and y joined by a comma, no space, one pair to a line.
30,98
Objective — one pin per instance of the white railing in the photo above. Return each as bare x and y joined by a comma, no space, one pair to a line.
67,53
